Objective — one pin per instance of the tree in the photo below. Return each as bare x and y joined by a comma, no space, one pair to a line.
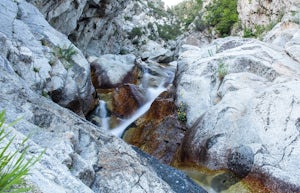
222,14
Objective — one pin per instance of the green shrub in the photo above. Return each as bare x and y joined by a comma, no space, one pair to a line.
258,30
158,10
222,14
187,11
135,32
13,166
222,70
200,24
248,33
168,32
181,112
65,54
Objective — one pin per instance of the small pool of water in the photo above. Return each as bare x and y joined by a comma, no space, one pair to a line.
223,181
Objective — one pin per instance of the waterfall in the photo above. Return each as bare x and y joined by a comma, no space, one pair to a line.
103,115
155,80
152,94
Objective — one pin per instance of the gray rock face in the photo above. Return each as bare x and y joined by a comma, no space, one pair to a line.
28,43
242,93
179,182
256,12
79,157
106,27
112,70
240,161
287,36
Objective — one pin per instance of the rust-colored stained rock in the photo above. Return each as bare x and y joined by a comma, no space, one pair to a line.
126,100
158,132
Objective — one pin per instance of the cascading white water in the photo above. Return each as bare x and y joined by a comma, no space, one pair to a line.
155,80
152,94
103,115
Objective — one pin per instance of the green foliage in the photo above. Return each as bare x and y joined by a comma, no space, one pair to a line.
187,11
124,51
158,10
65,53
222,70
168,32
13,166
36,70
135,32
258,30
200,24
222,14
181,112
248,33
128,18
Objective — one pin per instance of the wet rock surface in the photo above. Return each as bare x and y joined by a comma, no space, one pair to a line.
79,157
127,99
179,182
252,106
158,132
240,161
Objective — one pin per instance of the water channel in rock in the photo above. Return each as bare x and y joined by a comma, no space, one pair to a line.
156,79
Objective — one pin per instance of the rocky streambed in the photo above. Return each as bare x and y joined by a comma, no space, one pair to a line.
241,129
225,112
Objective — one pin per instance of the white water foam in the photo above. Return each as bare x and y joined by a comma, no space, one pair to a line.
103,115
152,94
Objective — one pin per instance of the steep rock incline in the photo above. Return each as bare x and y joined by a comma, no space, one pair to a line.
79,157
76,152
41,56
241,97
286,35
108,27
255,12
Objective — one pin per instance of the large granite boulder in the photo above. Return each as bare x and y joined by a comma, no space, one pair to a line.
286,35
41,56
241,97
110,71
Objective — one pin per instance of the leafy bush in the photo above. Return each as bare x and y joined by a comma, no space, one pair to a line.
168,32
187,11
13,166
135,32
158,10
222,70
65,53
222,14
258,30
248,33
181,112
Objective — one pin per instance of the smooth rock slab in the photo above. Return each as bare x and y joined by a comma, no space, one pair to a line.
252,111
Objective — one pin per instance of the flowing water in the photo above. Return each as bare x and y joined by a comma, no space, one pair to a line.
155,80
152,94
153,84
103,115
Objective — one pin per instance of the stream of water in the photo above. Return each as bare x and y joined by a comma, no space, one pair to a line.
153,83
104,115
